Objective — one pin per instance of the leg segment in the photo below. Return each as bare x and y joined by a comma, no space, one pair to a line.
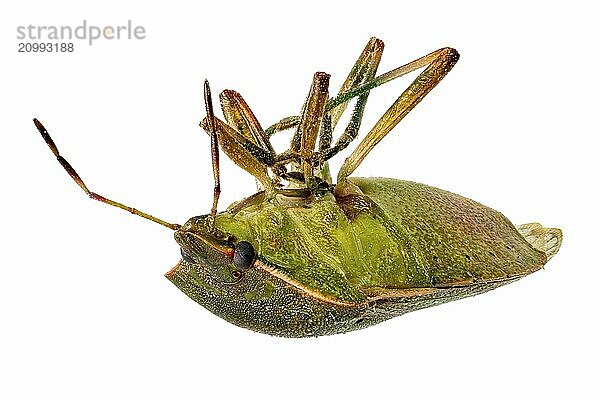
224,131
341,98
305,138
284,124
71,171
440,63
237,148
326,134
386,77
363,71
239,115
359,74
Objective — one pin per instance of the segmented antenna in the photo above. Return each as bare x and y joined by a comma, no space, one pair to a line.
214,150
92,195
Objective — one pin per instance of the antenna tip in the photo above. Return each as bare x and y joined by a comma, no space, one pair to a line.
39,125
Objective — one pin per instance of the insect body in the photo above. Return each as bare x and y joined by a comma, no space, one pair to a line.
306,257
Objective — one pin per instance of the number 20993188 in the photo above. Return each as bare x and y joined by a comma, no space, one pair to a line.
47,47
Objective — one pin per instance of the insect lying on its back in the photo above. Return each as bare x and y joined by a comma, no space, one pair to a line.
306,257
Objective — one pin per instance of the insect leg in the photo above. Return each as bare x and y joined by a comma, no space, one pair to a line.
326,132
357,77
241,151
386,77
284,124
224,129
363,71
292,121
440,63
239,115
71,171
305,138
325,138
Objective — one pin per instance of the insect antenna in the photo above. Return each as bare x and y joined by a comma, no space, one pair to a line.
214,150
71,171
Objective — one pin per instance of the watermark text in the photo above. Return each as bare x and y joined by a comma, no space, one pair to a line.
89,33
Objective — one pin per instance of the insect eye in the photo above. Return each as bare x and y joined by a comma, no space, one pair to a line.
243,255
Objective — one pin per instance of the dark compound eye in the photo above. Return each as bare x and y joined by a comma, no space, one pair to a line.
243,255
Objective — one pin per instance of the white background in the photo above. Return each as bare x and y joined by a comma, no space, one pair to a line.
85,310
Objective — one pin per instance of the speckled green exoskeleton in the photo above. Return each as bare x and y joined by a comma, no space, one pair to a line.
306,257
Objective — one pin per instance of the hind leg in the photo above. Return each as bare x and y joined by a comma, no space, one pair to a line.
439,63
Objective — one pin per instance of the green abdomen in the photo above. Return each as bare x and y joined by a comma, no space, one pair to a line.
397,234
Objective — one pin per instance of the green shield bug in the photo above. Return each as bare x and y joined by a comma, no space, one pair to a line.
306,257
